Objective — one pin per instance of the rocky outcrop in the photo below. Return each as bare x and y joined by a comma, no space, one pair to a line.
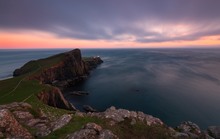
10,128
55,98
68,71
119,115
92,131
14,115
71,69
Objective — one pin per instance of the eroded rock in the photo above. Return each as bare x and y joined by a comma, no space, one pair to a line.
62,121
10,127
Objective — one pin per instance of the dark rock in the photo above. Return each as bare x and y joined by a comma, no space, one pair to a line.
88,108
214,131
80,93
93,62
55,98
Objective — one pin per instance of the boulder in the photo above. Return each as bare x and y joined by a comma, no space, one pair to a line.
62,121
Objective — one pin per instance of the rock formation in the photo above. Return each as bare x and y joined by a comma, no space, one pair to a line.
16,115
55,98
68,71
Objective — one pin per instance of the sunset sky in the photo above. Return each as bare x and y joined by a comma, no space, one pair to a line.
109,23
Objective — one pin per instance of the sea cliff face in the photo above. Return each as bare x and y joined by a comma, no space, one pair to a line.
68,71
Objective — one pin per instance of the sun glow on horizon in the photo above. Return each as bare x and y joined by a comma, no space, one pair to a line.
38,39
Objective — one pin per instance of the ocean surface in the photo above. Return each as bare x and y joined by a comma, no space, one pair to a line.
174,85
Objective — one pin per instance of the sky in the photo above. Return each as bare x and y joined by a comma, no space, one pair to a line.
109,23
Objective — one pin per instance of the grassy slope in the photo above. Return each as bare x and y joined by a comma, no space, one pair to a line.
20,89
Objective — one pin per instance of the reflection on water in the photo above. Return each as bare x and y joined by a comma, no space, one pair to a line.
174,85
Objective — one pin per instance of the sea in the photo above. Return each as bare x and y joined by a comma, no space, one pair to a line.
174,85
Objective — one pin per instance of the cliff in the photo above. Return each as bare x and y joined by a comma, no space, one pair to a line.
62,70
68,70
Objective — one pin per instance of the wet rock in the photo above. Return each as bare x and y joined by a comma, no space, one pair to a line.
88,108
10,127
62,121
214,131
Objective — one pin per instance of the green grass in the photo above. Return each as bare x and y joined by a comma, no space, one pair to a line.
22,89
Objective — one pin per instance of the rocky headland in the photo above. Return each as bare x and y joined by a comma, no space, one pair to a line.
33,116
68,71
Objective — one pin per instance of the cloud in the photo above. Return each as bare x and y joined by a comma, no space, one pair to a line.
116,20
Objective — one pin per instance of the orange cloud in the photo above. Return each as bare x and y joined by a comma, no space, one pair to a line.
36,39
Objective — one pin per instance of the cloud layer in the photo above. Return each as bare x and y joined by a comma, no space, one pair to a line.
144,21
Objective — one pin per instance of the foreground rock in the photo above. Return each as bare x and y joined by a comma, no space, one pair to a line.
14,115
10,128
92,131
119,115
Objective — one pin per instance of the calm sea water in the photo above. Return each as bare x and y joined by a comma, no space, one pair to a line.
174,85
